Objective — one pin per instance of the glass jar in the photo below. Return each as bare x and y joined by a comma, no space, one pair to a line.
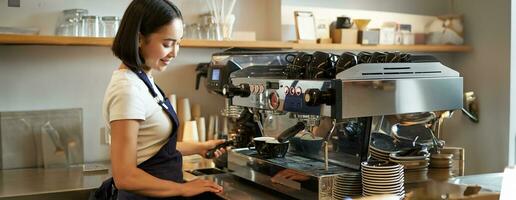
90,26
195,31
213,30
109,26
69,23
186,31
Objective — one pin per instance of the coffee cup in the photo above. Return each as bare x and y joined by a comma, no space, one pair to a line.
311,145
259,143
274,149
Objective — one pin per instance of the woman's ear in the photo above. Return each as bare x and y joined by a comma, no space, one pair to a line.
140,40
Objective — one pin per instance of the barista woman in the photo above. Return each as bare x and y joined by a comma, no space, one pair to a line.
145,155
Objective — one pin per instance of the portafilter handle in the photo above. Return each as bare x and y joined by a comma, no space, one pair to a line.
211,153
242,90
291,132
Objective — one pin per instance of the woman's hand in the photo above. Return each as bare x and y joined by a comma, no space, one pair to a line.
210,144
199,186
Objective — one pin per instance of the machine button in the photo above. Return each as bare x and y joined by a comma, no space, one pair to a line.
287,90
292,91
262,89
298,91
252,89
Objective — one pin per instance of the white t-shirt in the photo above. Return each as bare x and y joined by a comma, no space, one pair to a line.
127,97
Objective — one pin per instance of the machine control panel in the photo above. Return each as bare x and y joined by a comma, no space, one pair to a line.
287,95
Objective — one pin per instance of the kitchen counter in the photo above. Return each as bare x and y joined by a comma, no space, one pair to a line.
237,188
38,181
76,183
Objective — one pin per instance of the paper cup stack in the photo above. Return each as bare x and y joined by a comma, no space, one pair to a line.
347,185
382,178
192,125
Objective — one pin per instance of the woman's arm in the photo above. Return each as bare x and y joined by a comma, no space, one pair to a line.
129,177
191,148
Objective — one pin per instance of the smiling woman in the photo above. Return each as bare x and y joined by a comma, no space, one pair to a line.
145,155
159,48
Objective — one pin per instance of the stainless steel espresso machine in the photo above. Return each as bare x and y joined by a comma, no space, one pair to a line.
244,125
337,101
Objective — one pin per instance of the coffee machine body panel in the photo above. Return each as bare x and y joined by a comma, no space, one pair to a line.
400,96
224,63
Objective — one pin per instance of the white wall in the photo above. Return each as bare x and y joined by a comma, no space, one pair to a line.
486,71
420,7
43,14
51,77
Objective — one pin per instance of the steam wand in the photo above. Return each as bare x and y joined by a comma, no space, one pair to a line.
328,137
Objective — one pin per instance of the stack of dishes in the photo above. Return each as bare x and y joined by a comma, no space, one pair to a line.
381,146
382,178
347,185
441,161
415,167
441,165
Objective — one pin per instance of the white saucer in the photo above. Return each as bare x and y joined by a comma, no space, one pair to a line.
378,165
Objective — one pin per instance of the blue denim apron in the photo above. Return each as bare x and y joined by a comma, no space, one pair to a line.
166,164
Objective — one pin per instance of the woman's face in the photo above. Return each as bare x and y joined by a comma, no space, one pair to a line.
160,47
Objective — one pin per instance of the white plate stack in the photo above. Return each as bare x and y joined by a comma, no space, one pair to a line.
382,178
347,185
379,154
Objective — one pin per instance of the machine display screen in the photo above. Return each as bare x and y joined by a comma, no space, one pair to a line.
215,75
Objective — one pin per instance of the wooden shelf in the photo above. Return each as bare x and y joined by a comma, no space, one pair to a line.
95,41
403,48
54,40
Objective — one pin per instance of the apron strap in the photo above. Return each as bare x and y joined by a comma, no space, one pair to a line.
165,103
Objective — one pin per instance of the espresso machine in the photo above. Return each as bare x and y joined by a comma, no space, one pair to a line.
244,124
336,102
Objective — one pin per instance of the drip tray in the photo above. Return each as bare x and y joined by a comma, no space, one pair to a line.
205,171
